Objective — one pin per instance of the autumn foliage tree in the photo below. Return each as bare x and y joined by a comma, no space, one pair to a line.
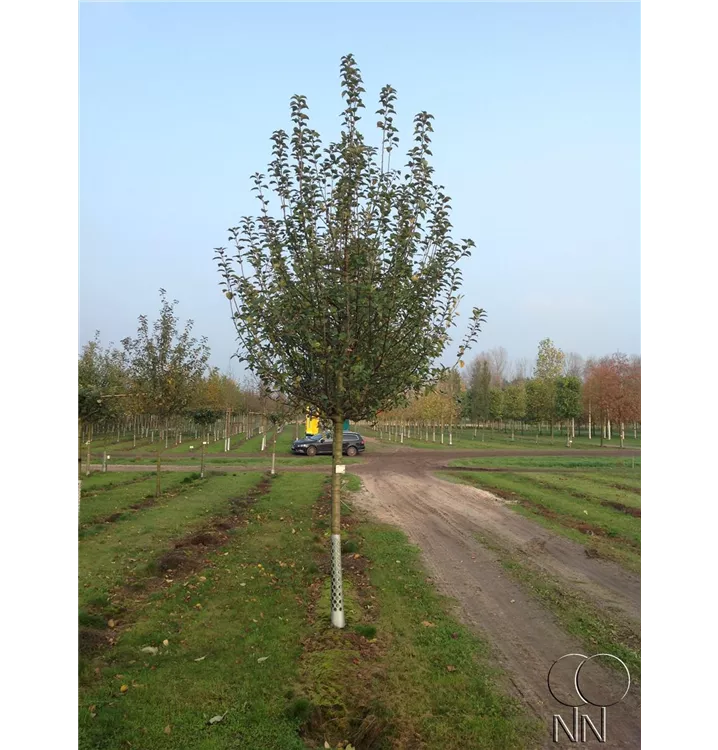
344,288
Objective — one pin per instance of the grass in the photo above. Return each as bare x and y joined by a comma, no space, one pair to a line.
103,500
494,440
248,637
553,462
437,680
599,630
100,480
576,506
265,461
124,553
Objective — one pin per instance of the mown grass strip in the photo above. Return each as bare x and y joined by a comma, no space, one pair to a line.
464,439
124,552
103,481
234,634
604,532
111,502
553,462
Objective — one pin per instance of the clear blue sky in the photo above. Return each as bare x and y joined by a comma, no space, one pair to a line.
537,111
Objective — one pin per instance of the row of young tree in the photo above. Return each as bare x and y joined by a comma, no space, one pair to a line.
158,385
599,396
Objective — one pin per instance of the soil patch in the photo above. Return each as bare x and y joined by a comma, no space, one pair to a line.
635,512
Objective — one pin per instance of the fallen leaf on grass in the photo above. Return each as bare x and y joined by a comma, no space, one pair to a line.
326,744
165,642
450,668
262,658
150,650
124,688
427,624
110,623
217,719
201,658
167,729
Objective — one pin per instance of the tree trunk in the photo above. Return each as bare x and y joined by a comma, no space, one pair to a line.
573,427
274,450
635,436
590,426
158,481
433,432
201,461
89,446
608,429
623,433
79,447
442,433
337,594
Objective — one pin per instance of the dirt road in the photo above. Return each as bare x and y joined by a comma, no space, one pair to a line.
443,519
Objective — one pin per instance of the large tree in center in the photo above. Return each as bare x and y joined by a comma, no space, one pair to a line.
344,288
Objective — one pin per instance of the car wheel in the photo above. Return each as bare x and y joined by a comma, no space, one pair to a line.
351,451
311,451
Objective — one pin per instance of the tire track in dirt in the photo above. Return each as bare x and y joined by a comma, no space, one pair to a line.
441,519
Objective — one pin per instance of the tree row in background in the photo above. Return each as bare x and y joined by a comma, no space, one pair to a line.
599,398
157,388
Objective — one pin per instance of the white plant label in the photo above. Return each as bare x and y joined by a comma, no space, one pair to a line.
340,469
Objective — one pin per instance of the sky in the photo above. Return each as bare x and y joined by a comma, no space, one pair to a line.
537,141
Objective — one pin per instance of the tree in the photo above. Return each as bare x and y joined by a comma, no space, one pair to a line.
515,403
539,402
568,403
549,361
549,368
499,361
483,394
102,381
165,367
205,418
574,365
521,369
601,389
496,404
344,289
